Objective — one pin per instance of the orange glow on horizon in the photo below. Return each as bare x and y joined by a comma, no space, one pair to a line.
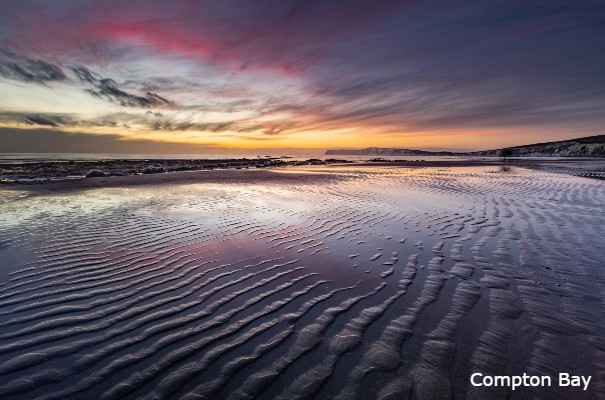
329,139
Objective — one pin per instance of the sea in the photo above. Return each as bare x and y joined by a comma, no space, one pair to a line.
293,156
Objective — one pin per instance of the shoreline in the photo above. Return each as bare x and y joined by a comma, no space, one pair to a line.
272,173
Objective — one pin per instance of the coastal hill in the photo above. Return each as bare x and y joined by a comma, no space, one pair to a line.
591,146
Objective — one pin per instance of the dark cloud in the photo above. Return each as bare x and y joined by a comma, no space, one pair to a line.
52,120
85,75
17,67
40,120
108,89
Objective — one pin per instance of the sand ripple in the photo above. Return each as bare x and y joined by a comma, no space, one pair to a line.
385,283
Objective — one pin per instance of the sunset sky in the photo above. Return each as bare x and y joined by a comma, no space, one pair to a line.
225,75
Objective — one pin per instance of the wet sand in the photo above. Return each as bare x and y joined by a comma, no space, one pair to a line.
350,282
226,176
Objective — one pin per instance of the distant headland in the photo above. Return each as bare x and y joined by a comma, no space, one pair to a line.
591,146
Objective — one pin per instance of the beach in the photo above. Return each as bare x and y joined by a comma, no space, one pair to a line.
383,280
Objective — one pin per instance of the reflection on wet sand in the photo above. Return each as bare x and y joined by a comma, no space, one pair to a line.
353,282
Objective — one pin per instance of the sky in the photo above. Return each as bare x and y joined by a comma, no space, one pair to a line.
185,76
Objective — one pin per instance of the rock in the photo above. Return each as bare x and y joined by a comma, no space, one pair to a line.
151,170
97,174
